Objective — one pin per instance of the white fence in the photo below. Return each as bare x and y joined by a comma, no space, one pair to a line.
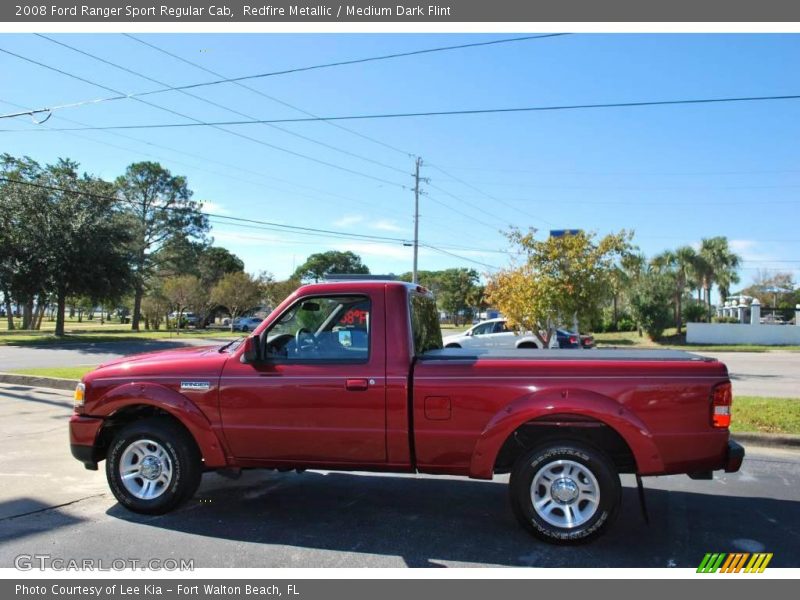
742,333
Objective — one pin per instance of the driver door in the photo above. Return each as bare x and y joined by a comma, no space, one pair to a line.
318,395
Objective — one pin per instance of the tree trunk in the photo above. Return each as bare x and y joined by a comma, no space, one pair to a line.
615,318
137,305
39,315
9,314
27,314
61,302
680,314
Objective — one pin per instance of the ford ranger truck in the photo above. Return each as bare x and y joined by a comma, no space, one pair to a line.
352,376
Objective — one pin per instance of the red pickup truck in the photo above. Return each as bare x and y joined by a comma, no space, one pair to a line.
352,376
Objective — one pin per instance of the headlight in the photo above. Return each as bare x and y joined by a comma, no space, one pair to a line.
79,396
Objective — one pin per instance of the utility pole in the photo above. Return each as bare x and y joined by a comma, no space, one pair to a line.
416,219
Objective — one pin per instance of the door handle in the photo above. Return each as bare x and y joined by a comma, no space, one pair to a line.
357,385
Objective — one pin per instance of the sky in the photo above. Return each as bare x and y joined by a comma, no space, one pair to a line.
672,174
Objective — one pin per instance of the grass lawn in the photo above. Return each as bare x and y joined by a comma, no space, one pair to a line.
631,339
62,372
765,415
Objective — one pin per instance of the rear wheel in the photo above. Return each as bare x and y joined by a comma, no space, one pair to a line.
153,466
565,493
453,346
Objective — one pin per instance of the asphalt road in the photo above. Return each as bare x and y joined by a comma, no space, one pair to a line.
50,504
775,374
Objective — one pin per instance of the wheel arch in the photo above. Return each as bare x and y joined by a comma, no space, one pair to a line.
575,414
135,401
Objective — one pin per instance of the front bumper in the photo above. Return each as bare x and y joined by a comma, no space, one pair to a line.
734,457
82,436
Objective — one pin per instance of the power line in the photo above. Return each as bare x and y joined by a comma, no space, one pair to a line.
122,96
221,106
185,116
493,198
268,96
446,113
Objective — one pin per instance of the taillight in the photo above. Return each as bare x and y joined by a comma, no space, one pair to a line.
573,339
721,399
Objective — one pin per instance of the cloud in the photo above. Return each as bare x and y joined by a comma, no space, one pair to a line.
742,246
213,207
348,220
388,225
377,250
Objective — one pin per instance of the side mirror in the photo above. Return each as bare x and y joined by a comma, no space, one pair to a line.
250,353
468,333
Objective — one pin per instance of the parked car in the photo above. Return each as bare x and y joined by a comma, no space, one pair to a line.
352,376
187,318
494,333
246,323
568,339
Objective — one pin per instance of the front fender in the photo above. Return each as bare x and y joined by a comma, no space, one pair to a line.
570,401
170,401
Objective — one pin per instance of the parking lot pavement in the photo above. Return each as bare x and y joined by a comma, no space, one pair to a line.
50,504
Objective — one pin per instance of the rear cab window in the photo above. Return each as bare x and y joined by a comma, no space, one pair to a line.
425,331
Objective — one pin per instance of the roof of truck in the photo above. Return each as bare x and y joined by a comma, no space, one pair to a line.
360,285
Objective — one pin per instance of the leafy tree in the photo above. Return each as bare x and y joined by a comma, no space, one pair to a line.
215,262
650,300
184,291
719,265
458,292
23,262
238,292
331,262
276,292
561,277
163,210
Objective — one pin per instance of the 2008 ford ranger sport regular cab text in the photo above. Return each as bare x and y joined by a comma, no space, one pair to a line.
351,376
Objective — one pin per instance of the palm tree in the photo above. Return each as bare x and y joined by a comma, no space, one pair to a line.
666,263
684,264
721,265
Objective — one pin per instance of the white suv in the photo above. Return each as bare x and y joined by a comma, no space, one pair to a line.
493,333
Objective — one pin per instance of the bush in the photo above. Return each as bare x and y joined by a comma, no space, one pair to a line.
626,323
725,320
694,312
650,303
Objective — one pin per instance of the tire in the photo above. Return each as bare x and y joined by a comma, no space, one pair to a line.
170,457
527,346
584,474
453,346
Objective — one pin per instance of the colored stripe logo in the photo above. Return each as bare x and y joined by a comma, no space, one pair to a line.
736,562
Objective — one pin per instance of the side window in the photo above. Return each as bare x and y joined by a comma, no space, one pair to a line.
483,329
500,327
320,329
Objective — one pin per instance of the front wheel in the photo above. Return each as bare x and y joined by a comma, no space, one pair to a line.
565,493
153,466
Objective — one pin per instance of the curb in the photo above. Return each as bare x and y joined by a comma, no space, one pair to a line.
772,440
36,381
